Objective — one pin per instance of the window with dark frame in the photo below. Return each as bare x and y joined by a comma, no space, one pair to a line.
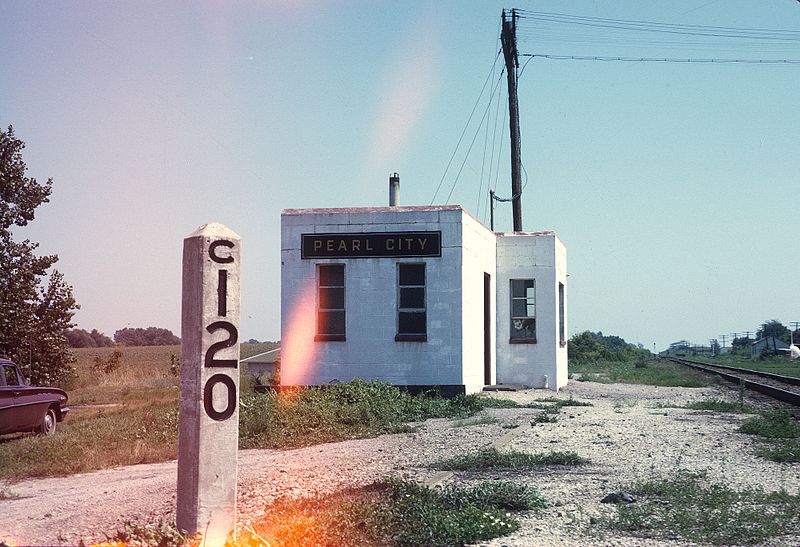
562,340
412,323
10,374
523,311
330,303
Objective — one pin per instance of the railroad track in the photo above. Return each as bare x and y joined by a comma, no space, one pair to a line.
775,386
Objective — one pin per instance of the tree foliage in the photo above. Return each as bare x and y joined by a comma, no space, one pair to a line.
79,338
775,328
590,346
36,304
151,336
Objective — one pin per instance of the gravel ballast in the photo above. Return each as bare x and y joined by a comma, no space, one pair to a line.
629,434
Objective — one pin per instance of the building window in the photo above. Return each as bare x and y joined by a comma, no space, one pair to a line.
330,302
411,315
562,339
523,311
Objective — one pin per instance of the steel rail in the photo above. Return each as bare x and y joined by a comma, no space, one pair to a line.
791,397
793,380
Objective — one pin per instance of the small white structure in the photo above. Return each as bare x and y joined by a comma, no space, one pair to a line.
421,297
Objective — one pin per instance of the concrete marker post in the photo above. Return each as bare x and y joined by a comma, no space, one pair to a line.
209,393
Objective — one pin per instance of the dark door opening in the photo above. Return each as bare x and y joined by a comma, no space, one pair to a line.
487,330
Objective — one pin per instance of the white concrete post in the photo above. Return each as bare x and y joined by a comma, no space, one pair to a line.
209,409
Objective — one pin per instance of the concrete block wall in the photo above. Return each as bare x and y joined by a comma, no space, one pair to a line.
479,257
531,256
370,351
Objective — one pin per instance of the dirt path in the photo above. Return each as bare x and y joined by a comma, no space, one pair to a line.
627,435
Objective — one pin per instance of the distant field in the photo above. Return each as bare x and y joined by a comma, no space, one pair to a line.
142,377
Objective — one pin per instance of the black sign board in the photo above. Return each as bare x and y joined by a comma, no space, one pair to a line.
372,245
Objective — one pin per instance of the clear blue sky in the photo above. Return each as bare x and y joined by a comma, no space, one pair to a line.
674,186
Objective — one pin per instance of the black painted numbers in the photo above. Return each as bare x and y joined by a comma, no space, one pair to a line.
211,360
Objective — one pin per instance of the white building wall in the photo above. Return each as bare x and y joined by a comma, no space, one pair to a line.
370,350
542,257
453,354
479,257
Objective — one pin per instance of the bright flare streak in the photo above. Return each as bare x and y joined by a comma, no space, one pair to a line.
411,83
297,343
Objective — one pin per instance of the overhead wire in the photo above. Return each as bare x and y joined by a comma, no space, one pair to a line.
464,131
661,59
469,149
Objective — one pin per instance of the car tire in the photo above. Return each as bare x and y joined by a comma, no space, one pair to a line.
48,425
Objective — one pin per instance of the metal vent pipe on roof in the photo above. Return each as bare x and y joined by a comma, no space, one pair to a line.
394,189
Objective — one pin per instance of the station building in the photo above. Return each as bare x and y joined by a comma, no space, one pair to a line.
420,296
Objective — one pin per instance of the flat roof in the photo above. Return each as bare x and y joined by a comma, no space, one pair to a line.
398,209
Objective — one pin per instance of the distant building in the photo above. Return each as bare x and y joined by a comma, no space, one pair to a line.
263,364
768,343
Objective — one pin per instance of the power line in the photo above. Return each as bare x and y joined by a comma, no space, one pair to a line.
463,132
661,59
667,28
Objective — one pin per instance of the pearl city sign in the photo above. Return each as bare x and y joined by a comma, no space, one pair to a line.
372,245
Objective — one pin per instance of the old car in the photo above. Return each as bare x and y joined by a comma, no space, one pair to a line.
28,408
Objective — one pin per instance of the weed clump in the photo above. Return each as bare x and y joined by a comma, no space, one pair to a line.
491,458
393,513
306,416
683,507
780,434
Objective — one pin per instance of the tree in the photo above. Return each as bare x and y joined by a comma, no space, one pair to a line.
775,328
151,336
36,304
79,338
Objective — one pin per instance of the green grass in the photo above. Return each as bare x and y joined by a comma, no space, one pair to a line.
717,405
491,458
544,418
779,433
113,437
772,424
775,365
657,373
683,507
302,417
395,513
143,428
785,451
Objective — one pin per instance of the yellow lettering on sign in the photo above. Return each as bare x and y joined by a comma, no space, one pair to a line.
369,245
317,244
342,245
390,244
409,241
422,242
329,246
356,245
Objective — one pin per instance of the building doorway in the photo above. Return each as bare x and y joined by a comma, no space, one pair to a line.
487,329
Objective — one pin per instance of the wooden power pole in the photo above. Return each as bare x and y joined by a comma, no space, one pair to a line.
508,39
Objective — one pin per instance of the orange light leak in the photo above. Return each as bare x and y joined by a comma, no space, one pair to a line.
298,351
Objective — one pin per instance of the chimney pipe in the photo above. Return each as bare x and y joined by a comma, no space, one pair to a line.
394,189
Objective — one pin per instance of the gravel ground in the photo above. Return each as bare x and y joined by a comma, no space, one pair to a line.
627,435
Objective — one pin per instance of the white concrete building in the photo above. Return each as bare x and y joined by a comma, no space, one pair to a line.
420,297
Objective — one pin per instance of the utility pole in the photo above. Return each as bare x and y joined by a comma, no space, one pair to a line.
491,210
508,39
723,336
